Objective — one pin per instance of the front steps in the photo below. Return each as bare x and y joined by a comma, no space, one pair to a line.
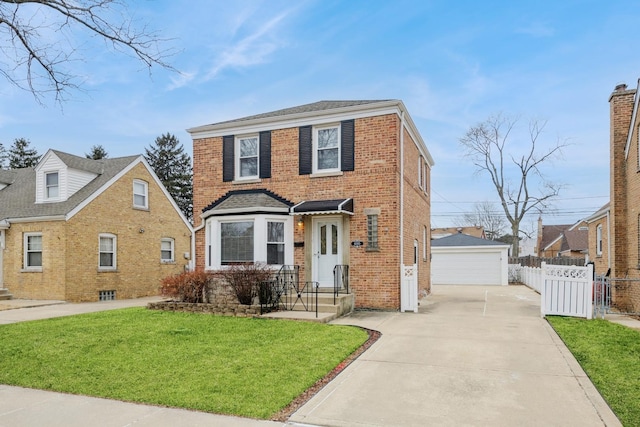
5,295
327,310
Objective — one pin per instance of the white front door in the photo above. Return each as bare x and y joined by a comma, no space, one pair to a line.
327,251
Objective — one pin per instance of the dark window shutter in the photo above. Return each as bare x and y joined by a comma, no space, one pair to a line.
228,161
305,150
265,154
347,139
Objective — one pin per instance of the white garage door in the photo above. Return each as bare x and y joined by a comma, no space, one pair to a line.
466,268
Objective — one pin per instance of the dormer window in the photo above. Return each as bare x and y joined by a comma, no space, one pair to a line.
52,187
140,194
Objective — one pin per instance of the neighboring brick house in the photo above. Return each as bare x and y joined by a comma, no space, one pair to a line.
474,230
77,229
568,240
318,185
599,249
624,234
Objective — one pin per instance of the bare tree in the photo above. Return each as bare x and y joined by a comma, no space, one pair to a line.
517,178
487,215
41,37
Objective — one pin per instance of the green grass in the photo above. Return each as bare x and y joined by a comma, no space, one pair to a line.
240,366
610,355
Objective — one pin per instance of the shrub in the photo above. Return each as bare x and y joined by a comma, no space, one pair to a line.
245,280
189,286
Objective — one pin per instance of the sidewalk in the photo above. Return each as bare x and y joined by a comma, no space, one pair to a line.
472,356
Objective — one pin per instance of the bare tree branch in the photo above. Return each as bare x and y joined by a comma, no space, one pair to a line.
515,181
31,60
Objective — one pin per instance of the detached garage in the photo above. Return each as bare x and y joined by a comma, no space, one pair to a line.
460,259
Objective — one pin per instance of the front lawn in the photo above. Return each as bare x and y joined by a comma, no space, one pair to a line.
610,355
239,366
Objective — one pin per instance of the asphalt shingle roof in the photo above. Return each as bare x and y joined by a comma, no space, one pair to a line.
244,199
461,239
17,200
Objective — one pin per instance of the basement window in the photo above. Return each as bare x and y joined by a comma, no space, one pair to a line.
107,295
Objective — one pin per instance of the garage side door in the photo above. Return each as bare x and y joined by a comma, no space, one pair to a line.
466,268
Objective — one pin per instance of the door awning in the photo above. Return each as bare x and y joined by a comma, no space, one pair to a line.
323,207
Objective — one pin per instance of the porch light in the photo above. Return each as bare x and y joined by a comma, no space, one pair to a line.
300,223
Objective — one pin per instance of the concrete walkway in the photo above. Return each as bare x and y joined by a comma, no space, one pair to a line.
472,356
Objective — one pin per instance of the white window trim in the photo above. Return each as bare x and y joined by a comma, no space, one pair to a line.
25,245
284,237
146,194
115,252
173,252
315,169
425,177
424,242
236,157
46,188
420,173
599,239
212,239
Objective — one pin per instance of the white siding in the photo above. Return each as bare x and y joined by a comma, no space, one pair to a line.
76,179
50,163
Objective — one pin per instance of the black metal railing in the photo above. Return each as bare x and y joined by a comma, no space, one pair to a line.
340,280
284,291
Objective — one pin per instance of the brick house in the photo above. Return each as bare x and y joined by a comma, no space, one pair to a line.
77,229
568,240
599,250
318,185
624,223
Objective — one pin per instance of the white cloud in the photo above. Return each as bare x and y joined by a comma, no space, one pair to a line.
251,50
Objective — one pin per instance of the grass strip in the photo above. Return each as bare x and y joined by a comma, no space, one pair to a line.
610,355
226,365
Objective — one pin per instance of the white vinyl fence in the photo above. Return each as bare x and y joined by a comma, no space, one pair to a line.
564,290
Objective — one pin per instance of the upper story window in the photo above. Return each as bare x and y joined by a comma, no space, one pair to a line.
140,194
247,157
107,252
326,150
599,240
167,250
33,251
51,185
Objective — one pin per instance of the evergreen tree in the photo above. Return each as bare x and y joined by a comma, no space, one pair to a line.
97,152
21,156
173,166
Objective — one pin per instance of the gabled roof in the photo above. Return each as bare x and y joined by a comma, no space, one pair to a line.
17,200
575,241
473,230
314,107
551,233
80,163
461,239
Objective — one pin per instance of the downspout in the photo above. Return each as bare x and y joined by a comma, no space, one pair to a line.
608,241
401,202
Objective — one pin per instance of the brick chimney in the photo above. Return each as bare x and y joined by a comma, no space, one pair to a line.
620,111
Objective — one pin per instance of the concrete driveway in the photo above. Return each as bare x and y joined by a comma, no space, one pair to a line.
472,356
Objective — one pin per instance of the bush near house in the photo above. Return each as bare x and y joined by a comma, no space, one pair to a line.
245,279
188,286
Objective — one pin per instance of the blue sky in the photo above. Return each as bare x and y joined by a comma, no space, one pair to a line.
452,63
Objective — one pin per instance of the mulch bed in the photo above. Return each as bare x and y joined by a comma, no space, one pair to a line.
285,413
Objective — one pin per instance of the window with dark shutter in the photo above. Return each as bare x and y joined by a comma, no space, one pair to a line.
305,150
347,139
228,167
265,154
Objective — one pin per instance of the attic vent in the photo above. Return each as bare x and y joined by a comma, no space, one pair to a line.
107,295
583,228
